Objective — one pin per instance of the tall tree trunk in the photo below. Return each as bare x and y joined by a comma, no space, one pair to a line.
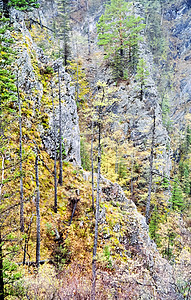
89,45
77,83
37,212
55,156
60,129
116,161
97,215
1,270
92,165
151,171
132,164
21,167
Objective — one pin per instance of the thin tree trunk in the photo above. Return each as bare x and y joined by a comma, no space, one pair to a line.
97,215
77,88
27,241
37,212
116,161
21,167
2,176
151,171
89,45
132,164
60,130
1,270
92,166
55,171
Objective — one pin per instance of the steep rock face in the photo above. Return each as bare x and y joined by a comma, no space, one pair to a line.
135,241
32,64
178,22
134,268
70,127
135,113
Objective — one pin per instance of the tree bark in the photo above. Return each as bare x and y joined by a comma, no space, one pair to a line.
37,211
97,214
21,167
60,130
151,171
55,156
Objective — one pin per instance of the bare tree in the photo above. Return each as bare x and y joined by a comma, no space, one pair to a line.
20,156
147,214
60,129
55,154
37,210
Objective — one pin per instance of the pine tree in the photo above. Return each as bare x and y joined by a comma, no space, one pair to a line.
118,32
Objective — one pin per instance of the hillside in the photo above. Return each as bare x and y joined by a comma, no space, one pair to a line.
95,149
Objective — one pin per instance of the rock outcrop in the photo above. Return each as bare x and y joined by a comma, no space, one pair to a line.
32,65
137,270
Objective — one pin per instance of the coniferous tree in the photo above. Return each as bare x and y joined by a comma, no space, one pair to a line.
63,29
141,76
118,32
177,196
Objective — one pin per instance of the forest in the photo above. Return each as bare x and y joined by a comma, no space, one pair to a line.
95,149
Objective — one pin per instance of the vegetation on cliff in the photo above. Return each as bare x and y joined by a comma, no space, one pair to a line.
55,217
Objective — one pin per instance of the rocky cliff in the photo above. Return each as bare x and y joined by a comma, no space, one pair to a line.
33,66
129,265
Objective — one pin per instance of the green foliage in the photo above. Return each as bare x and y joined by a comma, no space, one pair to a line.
177,196
85,157
107,256
24,5
155,35
168,251
184,169
153,225
11,276
165,112
60,255
118,32
7,79
141,76
62,27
